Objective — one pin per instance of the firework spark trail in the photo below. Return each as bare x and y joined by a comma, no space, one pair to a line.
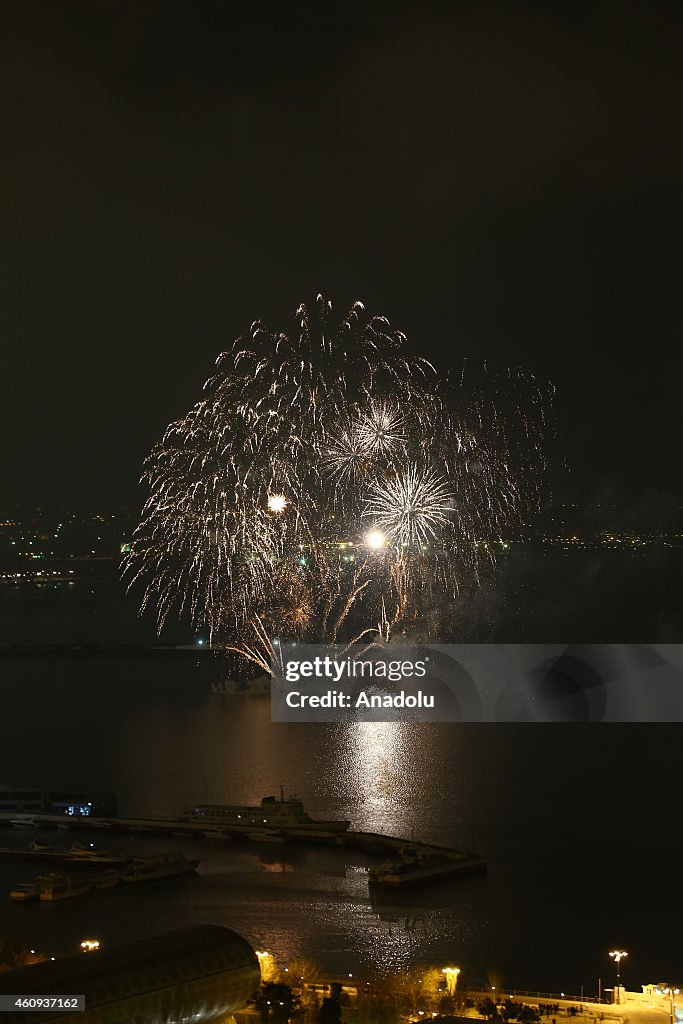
412,508
263,496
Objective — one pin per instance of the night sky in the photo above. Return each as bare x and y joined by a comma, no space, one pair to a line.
503,181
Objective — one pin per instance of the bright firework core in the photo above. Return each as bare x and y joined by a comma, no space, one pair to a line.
374,450
277,502
375,540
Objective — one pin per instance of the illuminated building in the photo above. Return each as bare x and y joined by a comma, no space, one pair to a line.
195,974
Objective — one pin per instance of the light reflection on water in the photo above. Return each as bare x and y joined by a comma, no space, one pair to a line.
375,765
535,799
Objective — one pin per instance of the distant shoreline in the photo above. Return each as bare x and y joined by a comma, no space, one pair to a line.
103,650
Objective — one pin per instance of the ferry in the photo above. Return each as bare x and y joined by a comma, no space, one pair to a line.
60,887
162,865
23,891
272,814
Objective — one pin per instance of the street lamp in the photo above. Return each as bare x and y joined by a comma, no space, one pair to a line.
617,955
451,978
266,963
671,992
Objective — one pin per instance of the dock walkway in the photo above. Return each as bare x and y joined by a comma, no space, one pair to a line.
371,842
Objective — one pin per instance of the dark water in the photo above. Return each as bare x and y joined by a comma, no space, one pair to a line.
538,594
579,822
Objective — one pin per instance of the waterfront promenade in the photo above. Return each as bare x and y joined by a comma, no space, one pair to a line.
635,1008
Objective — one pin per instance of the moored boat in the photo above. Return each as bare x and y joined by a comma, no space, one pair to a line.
60,887
28,853
24,891
161,865
271,814
90,854
415,865
24,821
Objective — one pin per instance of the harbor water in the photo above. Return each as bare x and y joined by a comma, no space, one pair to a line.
574,819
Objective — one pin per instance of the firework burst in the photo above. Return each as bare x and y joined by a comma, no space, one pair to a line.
305,443
412,508
381,428
348,455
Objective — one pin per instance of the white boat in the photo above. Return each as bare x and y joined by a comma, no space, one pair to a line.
59,887
24,891
24,821
91,854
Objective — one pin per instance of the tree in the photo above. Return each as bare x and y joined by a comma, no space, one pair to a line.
528,1015
376,1006
487,1008
330,1011
14,955
304,972
276,1003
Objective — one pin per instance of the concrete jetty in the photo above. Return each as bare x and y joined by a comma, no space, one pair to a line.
369,842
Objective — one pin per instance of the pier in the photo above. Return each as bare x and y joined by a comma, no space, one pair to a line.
369,842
